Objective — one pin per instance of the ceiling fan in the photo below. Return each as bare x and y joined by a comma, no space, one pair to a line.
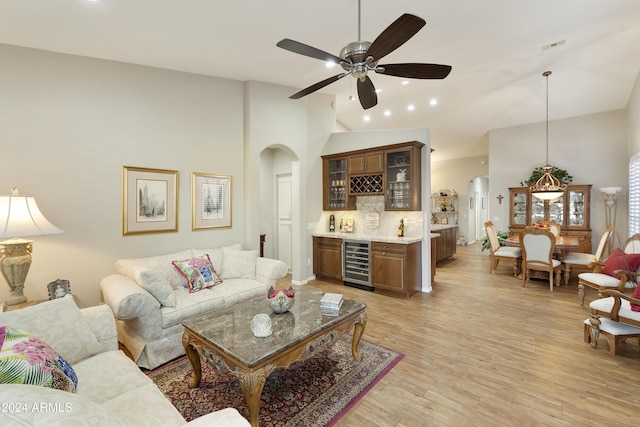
359,57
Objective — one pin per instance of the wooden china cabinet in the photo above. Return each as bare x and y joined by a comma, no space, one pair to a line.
571,211
391,170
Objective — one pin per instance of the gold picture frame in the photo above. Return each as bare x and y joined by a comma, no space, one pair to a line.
210,201
149,200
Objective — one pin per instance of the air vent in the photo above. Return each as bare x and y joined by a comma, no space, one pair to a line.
556,44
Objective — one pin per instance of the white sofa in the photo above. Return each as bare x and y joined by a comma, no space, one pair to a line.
111,389
151,299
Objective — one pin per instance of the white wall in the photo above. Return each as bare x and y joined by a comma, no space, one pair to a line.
69,124
592,148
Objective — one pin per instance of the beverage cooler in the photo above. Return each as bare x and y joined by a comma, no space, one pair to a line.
356,264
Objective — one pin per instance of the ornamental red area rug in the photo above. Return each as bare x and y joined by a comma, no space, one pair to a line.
314,392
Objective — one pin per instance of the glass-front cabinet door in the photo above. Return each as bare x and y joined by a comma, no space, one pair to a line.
402,172
335,184
578,202
555,211
519,206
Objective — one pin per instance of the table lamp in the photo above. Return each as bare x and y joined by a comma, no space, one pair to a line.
19,217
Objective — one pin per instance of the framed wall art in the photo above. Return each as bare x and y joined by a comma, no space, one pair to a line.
149,200
444,220
210,201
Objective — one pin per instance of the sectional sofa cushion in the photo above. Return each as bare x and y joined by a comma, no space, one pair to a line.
238,264
154,283
60,324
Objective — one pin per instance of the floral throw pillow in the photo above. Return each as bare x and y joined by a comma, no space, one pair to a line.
25,359
198,272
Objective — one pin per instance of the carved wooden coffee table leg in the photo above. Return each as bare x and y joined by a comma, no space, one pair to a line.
358,329
252,384
194,359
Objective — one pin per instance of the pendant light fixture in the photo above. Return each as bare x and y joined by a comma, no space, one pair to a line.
548,187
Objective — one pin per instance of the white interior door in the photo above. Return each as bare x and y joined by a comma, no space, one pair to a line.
284,219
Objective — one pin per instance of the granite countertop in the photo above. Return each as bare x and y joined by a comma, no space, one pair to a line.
436,227
370,238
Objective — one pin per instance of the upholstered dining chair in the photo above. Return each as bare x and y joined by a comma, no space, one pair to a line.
501,252
555,228
537,246
580,260
620,271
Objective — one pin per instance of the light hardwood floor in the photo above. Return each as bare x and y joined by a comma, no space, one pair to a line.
481,350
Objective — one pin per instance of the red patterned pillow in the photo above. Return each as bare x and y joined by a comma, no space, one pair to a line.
636,295
618,260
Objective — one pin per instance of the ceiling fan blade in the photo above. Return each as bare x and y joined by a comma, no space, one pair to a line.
317,86
415,71
306,50
367,93
395,35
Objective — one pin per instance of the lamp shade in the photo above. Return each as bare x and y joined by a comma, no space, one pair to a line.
20,217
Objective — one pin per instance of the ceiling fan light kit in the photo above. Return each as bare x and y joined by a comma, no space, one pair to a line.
359,57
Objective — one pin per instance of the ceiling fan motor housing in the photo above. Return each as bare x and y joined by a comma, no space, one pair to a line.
354,55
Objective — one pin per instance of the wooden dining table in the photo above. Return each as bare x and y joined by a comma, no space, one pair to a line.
563,243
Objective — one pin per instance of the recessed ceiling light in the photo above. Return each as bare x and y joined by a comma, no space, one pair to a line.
433,101
387,112
405,82
328,64
411,107
378,90
366,118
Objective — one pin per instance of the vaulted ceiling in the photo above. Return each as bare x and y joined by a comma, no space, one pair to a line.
498,49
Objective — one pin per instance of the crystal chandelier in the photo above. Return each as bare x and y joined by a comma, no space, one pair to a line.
548,187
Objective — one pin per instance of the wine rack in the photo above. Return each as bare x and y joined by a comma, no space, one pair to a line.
366,184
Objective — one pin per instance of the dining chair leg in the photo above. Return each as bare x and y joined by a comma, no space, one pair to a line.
567,274
581,293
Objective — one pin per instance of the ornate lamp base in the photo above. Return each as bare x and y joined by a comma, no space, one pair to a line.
15,260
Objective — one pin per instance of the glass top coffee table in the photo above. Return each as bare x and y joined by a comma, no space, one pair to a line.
225,339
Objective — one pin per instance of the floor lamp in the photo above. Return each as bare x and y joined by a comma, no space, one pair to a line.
19,216
610,207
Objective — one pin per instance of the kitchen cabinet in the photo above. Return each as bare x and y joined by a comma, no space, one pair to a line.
403,171
396,268
365,162
444,206
391,170
334,189
445,244
327,258
572,212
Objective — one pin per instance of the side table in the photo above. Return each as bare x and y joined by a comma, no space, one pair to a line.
5,307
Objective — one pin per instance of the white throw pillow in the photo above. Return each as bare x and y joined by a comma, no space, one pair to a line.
238,264
154,283
60,324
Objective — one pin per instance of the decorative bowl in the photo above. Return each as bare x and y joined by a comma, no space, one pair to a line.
280,300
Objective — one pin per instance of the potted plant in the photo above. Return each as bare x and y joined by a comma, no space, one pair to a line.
502,235
537,173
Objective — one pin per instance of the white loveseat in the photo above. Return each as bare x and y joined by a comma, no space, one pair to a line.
151,299
111,389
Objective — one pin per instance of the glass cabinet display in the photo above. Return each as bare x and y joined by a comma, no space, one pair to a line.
403,178
571,211
335,186
444,207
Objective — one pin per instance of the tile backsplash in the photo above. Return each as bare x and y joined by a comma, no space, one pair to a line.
389,220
